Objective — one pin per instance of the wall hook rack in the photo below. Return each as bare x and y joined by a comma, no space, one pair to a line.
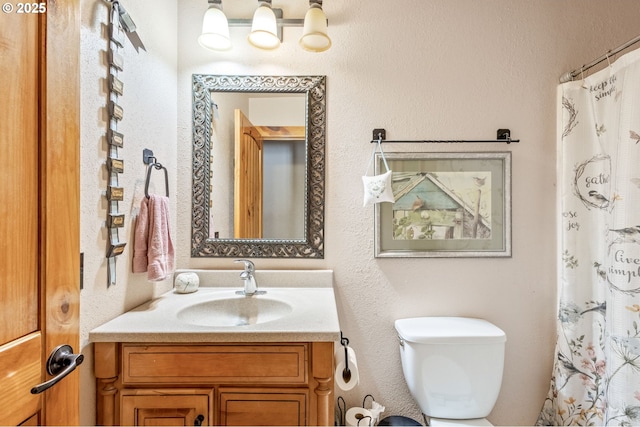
502,136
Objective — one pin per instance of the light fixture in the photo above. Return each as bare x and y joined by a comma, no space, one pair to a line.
314,35
264,28
215,28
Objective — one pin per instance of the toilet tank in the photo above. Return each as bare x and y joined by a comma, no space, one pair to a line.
452,365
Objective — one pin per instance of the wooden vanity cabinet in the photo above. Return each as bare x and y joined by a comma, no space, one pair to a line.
214,383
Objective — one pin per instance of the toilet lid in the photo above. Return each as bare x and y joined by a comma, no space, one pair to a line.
449,330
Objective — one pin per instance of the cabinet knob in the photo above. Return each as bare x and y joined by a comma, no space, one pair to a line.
198,421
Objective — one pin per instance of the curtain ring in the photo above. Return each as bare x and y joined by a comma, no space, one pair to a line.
584,86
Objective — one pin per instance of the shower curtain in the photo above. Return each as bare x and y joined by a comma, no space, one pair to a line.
596,375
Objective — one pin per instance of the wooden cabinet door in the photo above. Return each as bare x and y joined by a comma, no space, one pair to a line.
262,407
165,407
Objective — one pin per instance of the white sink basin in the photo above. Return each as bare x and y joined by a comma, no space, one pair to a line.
299,305
240,311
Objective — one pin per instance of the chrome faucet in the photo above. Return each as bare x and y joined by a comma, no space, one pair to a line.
250,285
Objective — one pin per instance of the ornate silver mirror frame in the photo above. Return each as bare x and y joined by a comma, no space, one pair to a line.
312,244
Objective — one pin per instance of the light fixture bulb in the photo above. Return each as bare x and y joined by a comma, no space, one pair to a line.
264,28
314,35
215,29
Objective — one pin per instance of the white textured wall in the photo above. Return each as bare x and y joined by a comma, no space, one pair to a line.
419,68
427,69
150,111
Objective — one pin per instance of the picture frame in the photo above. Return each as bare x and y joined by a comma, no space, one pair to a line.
446,205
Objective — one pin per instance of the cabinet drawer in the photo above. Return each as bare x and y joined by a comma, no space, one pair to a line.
204,364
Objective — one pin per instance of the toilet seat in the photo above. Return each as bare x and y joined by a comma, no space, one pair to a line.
443,422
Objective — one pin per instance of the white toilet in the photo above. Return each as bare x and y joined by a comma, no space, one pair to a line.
453,367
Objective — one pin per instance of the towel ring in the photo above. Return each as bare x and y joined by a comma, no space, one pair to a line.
157,166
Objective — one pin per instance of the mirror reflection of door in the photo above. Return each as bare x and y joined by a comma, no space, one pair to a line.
269,180
247,218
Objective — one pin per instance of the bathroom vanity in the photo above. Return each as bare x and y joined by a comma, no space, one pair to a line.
217,358
215,384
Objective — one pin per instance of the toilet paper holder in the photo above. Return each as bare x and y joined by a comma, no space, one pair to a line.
362,420
346,373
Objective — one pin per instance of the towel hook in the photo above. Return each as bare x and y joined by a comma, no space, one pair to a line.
157,166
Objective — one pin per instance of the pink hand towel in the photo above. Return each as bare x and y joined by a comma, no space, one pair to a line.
153,248
140,236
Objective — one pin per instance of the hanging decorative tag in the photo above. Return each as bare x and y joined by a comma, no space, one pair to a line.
115,138
116,111
116,85
115,249
115,194
377,188
115,165
115,220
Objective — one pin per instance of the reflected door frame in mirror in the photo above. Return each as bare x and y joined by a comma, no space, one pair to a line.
312,244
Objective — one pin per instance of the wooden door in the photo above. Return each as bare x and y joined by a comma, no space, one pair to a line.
247,198
39,212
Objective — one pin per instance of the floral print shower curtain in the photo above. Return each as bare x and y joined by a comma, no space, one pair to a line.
596,375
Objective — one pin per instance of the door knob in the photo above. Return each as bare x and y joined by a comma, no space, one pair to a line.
61,363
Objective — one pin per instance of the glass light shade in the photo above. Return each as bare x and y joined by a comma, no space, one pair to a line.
314,35
215,30
264,29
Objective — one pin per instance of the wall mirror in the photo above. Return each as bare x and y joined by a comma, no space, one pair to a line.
258,166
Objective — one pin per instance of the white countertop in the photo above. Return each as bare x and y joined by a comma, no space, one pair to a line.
310,293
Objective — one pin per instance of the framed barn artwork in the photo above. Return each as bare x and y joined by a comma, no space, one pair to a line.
446,205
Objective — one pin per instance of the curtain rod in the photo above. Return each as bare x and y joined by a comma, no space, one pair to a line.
503,136
570,75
